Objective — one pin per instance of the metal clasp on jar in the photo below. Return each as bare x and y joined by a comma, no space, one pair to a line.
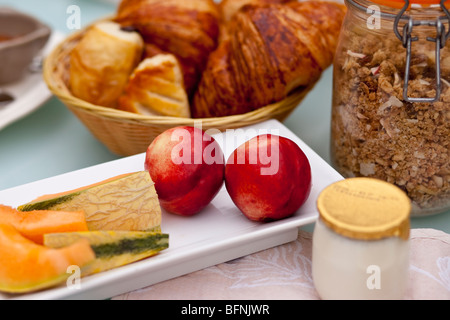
407,40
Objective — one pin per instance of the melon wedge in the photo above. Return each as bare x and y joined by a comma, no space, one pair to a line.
126,202
112,248
26,266
33,225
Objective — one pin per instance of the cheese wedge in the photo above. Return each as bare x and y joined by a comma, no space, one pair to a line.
126,202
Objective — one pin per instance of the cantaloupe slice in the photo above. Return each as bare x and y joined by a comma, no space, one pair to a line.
112,248
126,202
26,266
33,225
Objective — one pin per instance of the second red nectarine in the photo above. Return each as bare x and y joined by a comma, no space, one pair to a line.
268,177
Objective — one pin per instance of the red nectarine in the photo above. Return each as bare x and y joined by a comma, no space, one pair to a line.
187,166
268,177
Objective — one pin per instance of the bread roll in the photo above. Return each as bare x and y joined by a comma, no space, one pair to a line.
156,88
102,62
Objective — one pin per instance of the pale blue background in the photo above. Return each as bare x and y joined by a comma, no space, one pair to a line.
52,141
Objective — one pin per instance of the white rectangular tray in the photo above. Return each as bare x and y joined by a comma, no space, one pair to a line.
218,234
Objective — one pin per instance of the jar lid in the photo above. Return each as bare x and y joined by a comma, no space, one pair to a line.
365,209
401,3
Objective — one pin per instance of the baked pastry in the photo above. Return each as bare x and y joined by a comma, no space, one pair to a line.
189,71
271,50
156,88
187,29
102,61
228,8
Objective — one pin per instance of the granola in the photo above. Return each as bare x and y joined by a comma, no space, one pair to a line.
376,133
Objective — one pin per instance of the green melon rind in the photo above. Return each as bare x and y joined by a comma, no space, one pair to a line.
53,202
48,204
154,241
98,218
113,248
34,286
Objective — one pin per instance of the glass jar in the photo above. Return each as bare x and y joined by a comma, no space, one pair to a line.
383,126
361,241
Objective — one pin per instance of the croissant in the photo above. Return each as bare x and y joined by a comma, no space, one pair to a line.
228,8
156,88
271,51
187,29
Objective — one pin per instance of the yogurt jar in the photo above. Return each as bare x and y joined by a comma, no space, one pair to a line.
361,241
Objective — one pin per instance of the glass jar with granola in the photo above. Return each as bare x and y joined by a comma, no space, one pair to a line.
391,98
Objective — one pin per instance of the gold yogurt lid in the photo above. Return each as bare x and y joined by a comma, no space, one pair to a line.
365,209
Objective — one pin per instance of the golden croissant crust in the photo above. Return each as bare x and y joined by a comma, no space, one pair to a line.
270,51
187,29
228,8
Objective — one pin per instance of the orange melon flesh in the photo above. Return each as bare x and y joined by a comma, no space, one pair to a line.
34,224
26,266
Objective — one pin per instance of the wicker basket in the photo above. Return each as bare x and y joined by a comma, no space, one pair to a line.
126,133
